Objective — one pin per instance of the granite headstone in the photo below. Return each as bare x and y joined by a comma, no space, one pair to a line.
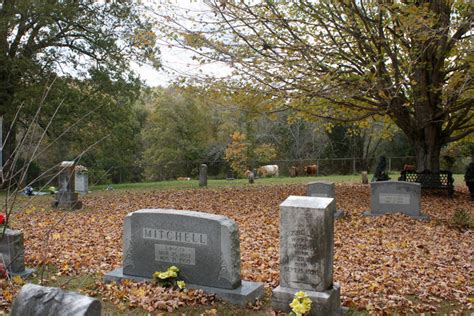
13,252
82,183
388,197
324,189
306,254
36,300
66,196
203,175
205,247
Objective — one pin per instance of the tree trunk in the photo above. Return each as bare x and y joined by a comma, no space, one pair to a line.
428,148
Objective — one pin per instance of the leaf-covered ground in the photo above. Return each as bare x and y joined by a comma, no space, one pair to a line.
388,263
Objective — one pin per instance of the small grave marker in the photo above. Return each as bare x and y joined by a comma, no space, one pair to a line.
324,189
13,252
388,197
203,176
34,300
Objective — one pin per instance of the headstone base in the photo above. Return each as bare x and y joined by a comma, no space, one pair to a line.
23,274
248,292
421,217
68,200
326,303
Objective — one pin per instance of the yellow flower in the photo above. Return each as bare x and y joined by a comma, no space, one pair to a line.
163,275
174,269
181,284
307,303
299,309
294,302
300,295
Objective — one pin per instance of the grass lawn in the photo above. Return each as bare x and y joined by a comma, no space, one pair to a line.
212,183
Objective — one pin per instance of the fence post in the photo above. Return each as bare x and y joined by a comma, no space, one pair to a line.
353,166
390,164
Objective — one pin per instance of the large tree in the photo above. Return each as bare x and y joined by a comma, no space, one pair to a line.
351,60
40,40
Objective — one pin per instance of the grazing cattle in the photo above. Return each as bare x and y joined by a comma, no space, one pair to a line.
294,171
311,170
249,174
268,170
409,168
184,179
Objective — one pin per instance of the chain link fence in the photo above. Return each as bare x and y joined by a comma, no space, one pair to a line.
221,169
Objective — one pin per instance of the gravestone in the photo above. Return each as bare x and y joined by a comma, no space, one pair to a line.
66,196
13,252
82,183
205,247
35,300
389,197
324,189
306,254
203,176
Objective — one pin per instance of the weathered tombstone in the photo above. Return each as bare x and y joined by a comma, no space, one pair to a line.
66,196
82,180
306,254
203,176
389,197
205,247
365,177
36,300
251,177
324,189
13,253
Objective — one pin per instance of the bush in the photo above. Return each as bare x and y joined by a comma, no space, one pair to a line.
462,220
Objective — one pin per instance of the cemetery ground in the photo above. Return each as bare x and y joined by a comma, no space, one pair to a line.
391,264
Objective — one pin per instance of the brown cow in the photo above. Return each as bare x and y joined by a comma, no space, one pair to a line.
311,170
294,172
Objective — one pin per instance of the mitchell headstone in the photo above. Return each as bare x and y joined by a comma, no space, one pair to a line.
389,197
203,175
205,247
36,300
324,189
13,252
66,196
306,254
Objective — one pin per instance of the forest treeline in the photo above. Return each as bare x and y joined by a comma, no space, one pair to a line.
177,128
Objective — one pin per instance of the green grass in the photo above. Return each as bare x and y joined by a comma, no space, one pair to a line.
213,183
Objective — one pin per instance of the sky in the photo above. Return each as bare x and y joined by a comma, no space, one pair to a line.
176,61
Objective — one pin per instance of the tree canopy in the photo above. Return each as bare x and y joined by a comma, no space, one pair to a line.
410,61
88,44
